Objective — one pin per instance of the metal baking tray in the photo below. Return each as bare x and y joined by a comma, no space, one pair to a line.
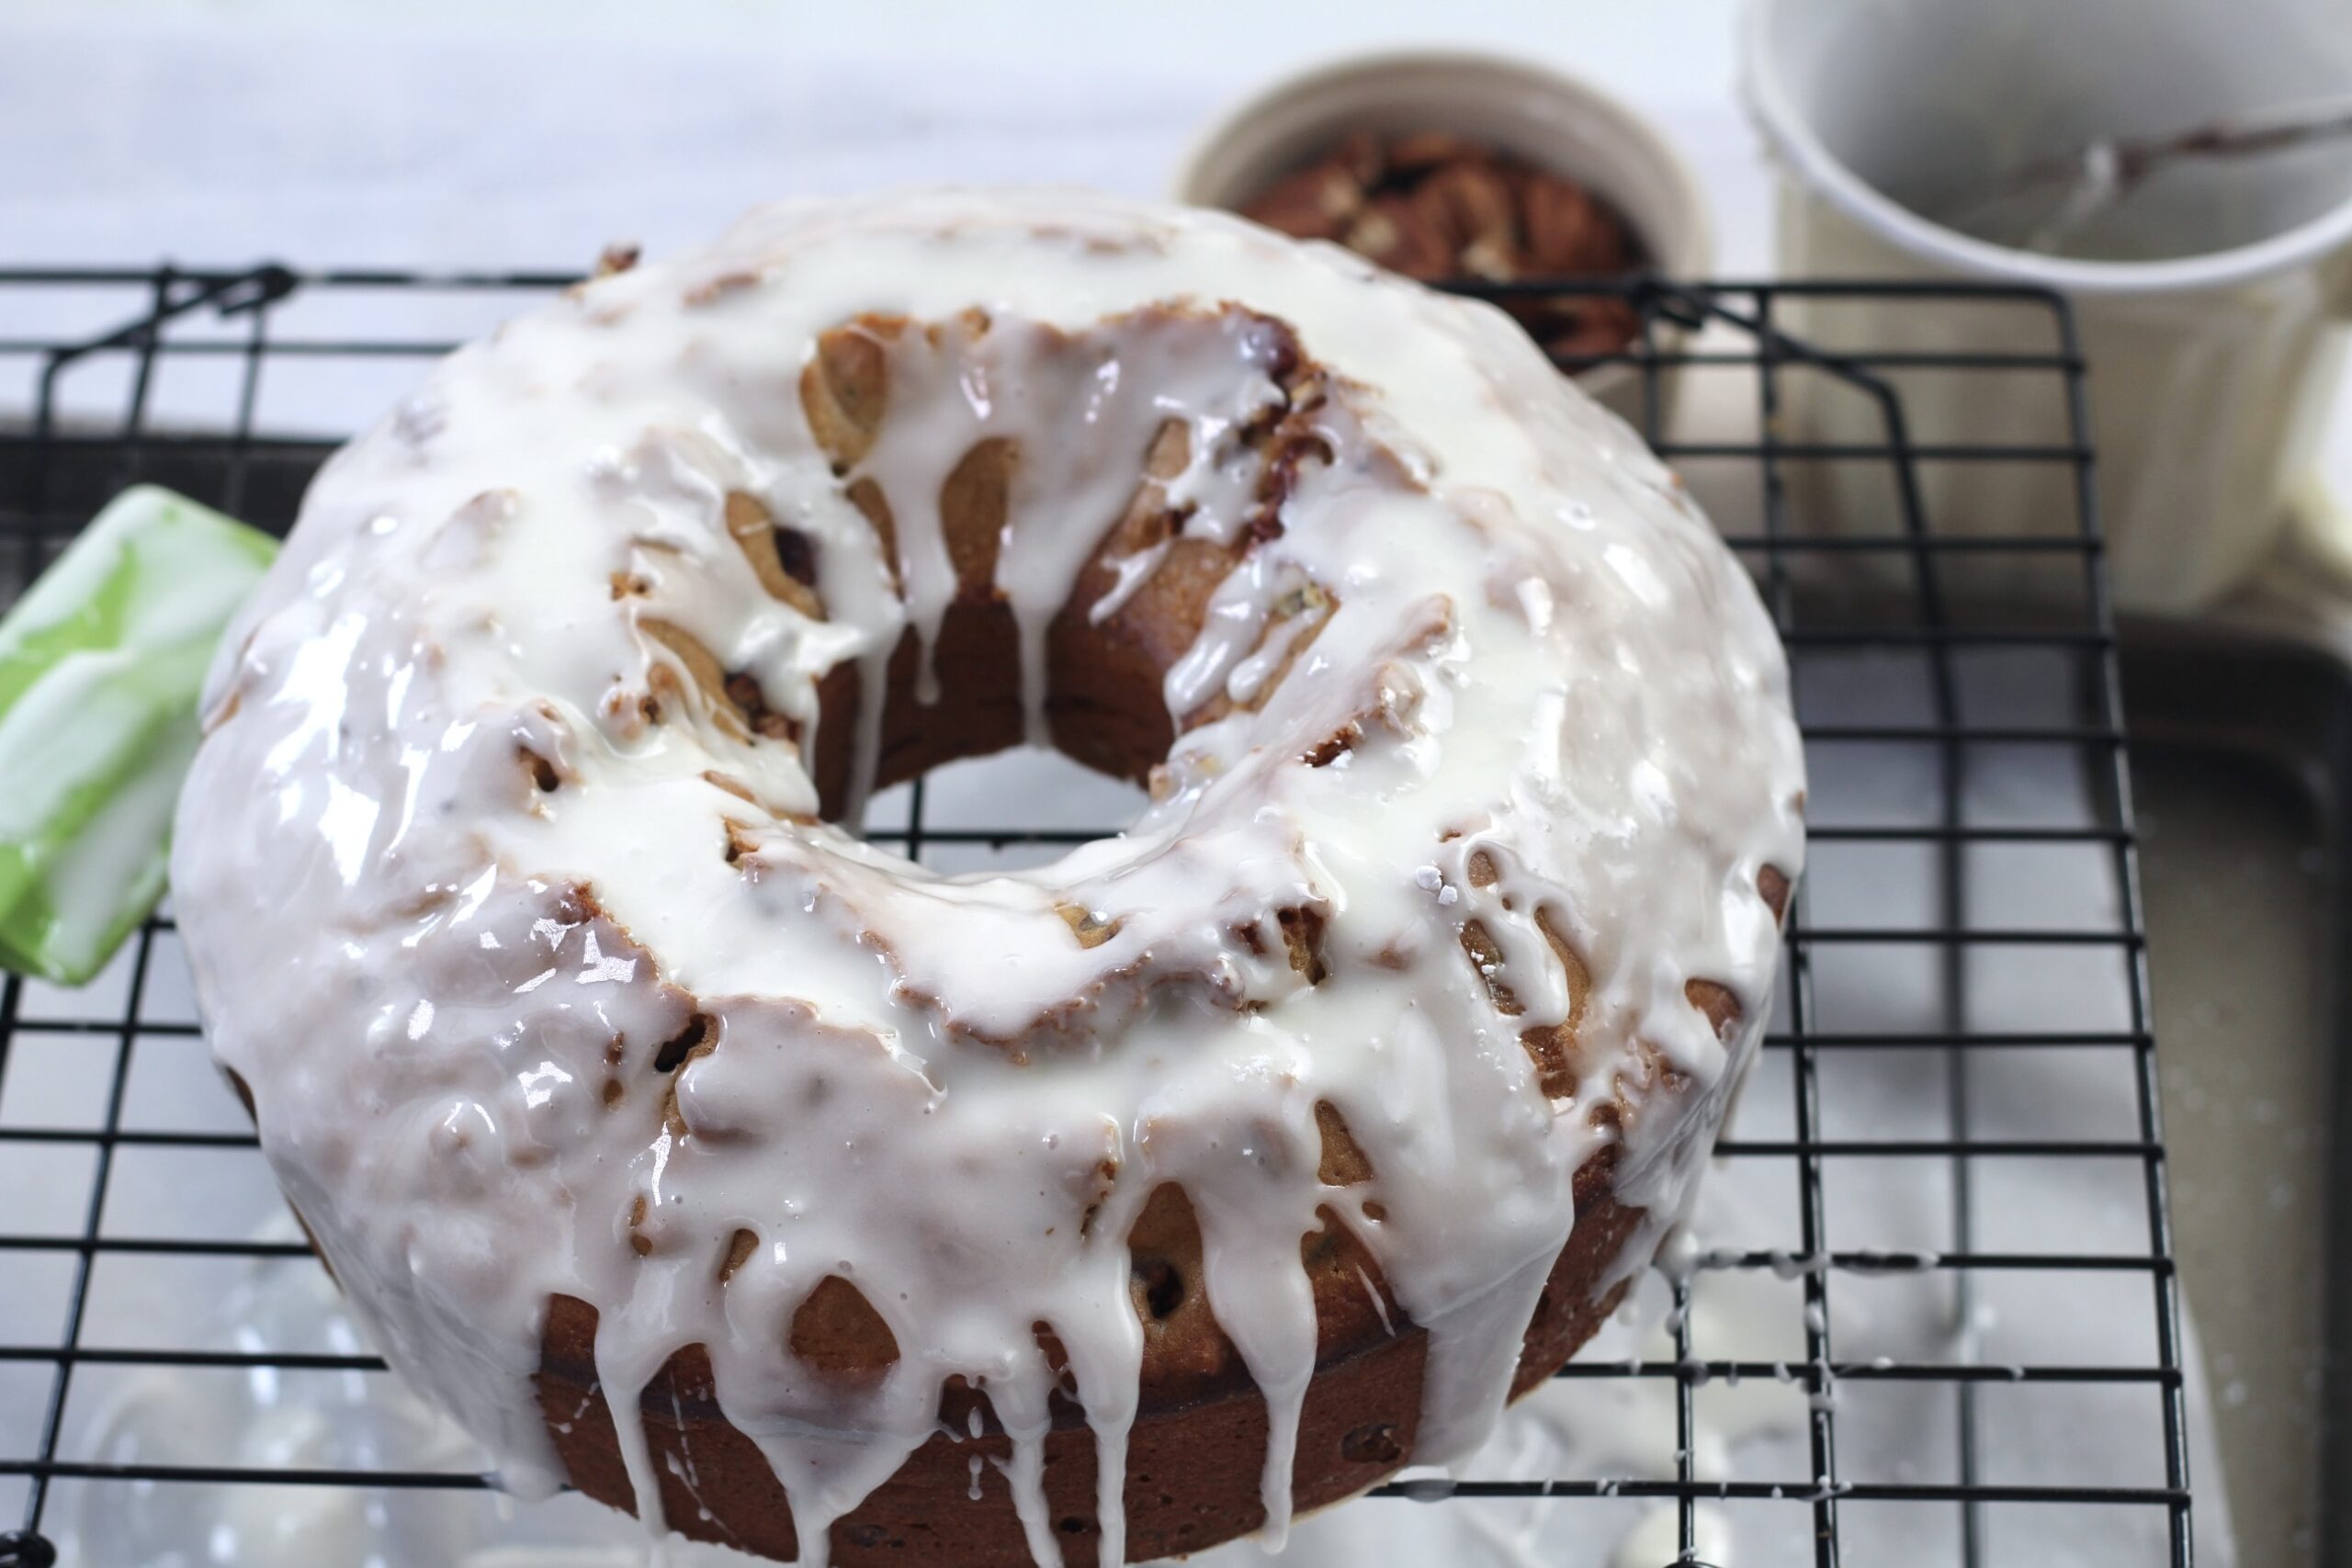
2241,762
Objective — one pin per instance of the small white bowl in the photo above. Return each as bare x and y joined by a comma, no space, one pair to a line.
1545,116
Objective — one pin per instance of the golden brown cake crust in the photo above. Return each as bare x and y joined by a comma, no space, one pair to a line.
1195,1455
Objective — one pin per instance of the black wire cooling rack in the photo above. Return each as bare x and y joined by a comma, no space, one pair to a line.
232,386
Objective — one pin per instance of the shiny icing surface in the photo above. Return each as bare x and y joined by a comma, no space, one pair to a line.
449,985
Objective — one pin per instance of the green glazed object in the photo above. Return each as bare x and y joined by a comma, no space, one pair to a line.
100,666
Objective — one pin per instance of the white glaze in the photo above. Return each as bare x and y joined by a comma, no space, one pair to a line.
916,1076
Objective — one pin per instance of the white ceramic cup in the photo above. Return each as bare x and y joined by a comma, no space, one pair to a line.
2209,370
1546,117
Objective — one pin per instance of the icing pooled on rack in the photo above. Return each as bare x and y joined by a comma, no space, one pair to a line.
512,875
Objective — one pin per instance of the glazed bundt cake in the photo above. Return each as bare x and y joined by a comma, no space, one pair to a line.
687,1147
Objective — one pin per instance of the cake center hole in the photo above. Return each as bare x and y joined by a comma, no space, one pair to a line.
1058,575
1010,811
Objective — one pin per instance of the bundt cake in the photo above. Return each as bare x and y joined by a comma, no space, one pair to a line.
690,1149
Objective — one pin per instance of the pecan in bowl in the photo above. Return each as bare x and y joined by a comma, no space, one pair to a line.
1438,207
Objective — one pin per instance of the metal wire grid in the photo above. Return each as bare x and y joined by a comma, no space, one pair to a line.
61,461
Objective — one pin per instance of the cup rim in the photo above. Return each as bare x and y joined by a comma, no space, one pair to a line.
1695,244
1791,137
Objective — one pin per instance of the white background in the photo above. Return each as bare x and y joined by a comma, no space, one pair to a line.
529,134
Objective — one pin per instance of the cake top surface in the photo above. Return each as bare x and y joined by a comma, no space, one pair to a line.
547,979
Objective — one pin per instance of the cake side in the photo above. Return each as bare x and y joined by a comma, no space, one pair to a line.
1193,1461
